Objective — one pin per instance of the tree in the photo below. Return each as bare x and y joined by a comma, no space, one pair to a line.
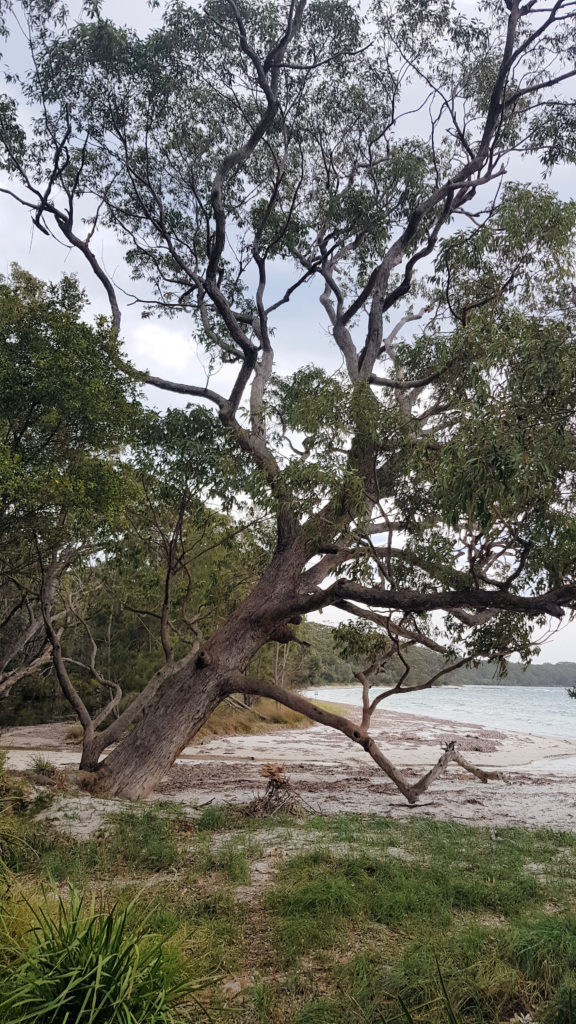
249,154
105,549
163,578
66,413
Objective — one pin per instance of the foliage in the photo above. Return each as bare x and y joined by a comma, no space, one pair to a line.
103,517
68,401
247,156
69,407
84,964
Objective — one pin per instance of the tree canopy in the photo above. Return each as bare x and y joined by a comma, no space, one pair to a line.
250,156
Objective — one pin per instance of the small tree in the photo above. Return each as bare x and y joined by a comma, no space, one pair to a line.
251,154
65,416
111,568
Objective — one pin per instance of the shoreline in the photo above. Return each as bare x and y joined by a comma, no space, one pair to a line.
410,740
334,776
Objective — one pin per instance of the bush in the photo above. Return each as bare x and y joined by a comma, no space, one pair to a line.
83,966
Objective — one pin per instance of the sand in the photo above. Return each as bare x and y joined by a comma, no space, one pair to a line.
334,776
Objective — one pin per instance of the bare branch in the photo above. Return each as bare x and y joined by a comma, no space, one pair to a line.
289,698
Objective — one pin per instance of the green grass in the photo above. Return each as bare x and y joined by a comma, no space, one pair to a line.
318,892
213,819
462,930
134,841
41,765
230,860
145,838
82,964
372,922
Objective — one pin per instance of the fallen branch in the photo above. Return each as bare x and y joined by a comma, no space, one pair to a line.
451,753
411,791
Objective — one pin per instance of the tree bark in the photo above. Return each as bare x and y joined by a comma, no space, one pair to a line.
141,760
91,751
144,756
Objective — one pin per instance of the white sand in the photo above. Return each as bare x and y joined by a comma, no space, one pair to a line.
334,776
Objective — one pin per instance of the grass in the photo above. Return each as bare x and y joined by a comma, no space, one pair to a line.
364,921
229,859
82,964
145,838
41,765
134,842
264,716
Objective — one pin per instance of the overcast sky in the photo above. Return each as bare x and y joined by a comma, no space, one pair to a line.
166,347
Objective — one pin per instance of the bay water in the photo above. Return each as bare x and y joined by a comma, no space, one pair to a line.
536,710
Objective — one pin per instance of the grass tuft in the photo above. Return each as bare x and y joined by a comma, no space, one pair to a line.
82,965
145,838
41,765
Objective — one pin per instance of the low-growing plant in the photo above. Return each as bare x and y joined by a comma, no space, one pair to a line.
83,965
12,839
144,838
214,818
451,1017
75,733
8,836
41,765
544,947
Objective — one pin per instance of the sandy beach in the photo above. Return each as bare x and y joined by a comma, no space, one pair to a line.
334,776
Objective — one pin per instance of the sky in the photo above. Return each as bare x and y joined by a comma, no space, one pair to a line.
166,347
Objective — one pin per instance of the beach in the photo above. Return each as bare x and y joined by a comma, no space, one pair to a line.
334,776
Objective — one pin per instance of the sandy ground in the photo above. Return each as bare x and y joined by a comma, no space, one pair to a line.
333,776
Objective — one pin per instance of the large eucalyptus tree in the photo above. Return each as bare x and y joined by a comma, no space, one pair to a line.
252,156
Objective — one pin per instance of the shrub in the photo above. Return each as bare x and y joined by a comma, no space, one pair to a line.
82,965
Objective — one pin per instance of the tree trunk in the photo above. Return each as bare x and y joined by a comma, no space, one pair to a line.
91,751
143,757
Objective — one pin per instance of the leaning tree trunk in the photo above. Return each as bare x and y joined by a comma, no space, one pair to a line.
143,757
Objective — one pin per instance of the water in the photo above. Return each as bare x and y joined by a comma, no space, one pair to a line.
540,710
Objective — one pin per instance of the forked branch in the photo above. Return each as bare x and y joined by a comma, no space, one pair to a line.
239,683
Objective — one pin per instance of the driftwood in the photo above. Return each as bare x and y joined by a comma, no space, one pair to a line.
279,795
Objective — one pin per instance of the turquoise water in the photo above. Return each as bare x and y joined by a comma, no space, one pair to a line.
540,710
